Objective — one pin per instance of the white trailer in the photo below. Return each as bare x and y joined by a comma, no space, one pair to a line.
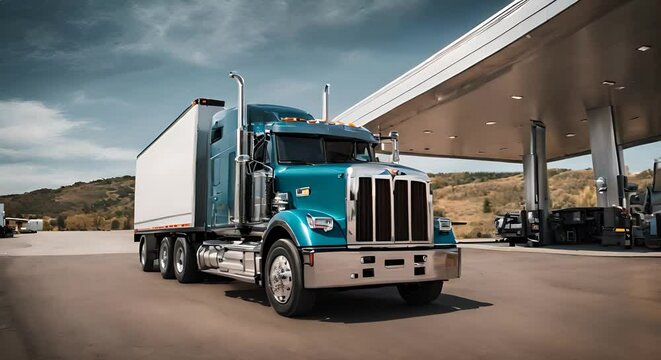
34,225
171,173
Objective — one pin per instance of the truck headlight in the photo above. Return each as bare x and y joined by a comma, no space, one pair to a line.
444,224
323,223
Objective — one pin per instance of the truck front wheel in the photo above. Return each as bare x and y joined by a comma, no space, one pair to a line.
420,293
146,257
283,277
184,261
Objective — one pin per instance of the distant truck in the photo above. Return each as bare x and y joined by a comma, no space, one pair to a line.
32,226
266,194
646,212
5,231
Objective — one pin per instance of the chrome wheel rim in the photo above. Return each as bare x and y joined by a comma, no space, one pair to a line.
180,260
280,279
164,257
143,254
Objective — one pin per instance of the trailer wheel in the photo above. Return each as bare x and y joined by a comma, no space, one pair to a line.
184,262
146,257
283,277
420,293
165,263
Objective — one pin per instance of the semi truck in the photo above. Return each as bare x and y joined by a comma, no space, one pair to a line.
269,195
5,231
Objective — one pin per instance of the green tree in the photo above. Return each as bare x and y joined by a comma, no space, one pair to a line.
114,225
61,222
486,206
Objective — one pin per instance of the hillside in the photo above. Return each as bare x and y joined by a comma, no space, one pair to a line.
477,201
97,205
472,197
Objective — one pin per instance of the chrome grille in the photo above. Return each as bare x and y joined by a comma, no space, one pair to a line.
390,210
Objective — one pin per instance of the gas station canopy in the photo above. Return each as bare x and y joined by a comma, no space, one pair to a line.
544,60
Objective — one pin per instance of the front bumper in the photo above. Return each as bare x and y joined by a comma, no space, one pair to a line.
347,268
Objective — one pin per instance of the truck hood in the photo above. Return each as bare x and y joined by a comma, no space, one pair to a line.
327,184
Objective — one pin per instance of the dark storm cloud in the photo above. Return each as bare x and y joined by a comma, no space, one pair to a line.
88,39
106,76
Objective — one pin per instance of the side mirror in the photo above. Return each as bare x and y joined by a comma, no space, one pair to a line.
601,184
632,187
635,200
394,137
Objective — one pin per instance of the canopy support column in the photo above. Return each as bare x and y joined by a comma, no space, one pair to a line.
607,159
536,186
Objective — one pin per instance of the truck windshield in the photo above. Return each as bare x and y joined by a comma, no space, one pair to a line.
320,150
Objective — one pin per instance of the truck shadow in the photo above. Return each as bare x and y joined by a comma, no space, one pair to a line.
366,305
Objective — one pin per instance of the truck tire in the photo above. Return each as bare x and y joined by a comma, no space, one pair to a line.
146,257
283,279
420,293
165,263
184,262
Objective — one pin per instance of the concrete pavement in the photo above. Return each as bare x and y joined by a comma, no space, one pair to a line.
506,306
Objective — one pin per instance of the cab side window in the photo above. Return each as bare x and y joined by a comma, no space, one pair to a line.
261,153
217,134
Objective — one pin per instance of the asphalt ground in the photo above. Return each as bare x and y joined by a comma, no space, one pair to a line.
57,303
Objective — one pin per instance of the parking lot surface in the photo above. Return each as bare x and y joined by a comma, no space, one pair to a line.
58,302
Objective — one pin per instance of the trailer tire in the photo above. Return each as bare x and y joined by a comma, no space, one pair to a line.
184,262
420,293
146,257
165,263
286,292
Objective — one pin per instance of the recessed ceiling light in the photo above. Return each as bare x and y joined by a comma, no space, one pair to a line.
570,134
608,82
427,131
644,48
517,97
620,88
503,148
491,123
528,36
453,136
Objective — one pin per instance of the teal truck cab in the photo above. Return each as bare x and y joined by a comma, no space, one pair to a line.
295,204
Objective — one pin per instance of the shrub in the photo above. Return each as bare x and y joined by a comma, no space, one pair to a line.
486,206
61,222
439,212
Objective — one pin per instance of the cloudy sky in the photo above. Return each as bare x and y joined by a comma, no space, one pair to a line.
87,84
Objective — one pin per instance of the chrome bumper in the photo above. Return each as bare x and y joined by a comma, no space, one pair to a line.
329,269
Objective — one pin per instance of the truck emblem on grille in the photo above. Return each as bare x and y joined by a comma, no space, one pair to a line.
392,171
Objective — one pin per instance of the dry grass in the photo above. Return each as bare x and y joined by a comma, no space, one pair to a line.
460,196
94,205
567,188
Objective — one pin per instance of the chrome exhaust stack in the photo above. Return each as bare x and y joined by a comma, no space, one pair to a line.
242,155
324,109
